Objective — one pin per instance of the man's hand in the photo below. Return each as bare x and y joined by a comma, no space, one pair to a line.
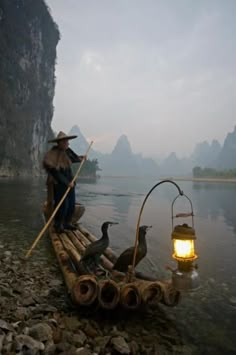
71,184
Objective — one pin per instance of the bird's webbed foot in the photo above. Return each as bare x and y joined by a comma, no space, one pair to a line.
101,271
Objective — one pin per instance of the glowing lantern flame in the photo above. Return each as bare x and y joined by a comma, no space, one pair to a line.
184,249
183,239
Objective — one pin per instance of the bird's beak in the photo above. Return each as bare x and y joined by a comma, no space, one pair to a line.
149,227
112,223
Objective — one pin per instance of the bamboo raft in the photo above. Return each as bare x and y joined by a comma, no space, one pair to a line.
106,290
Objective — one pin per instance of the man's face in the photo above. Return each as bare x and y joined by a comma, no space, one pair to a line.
63,144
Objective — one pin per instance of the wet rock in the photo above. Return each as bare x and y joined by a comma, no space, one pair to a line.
50,348
83,351
71,323
45,308
100,343
6,291
119,333
2,336
6,326
55,283
90,331
28,301
22,313
79,338
41,332
26,341
134,348
65,347
120,345
7,253
232,301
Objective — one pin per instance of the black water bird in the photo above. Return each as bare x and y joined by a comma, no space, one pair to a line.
126,257
91,256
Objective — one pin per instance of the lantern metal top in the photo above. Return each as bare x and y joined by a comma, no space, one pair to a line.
183,232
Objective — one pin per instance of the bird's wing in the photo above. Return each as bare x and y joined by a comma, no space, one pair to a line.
90,248
125,259
95,248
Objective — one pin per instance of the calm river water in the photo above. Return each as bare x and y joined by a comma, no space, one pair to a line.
205,318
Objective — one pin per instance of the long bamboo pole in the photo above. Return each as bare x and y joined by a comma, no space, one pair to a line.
58,206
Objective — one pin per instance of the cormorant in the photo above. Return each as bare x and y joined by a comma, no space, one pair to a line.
126,257
91,256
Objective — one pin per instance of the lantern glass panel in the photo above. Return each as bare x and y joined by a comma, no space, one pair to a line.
184,249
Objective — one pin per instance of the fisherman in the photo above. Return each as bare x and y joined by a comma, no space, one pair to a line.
57,162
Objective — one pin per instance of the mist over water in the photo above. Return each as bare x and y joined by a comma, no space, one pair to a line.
206,318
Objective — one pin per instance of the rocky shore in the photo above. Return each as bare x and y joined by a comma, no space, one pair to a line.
37,317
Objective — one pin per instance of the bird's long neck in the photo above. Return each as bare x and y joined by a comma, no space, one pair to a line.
142,241
104,233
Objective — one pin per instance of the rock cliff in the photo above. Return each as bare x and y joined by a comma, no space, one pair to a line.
28,40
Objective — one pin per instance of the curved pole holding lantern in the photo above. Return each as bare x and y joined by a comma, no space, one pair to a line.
139,218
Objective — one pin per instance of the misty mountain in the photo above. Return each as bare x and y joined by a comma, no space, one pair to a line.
205,154
215,156
121,162
172,165
227,155
80,144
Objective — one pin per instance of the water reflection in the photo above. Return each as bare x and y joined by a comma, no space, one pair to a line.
121,206
217,202
21,217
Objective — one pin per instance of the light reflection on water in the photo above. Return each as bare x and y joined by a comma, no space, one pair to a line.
207,319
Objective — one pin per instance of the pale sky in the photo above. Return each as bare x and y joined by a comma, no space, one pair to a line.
160,71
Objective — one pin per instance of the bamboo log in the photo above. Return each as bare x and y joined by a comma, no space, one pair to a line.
76,242
85,290
70,248
108,294
63,258
146,291
170,295
151,292
130,297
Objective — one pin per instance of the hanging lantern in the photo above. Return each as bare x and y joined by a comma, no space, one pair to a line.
185,277
183,237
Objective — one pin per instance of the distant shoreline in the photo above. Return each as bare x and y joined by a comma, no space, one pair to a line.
199,179
179,178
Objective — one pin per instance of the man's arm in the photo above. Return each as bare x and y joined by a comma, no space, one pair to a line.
74,157
57,175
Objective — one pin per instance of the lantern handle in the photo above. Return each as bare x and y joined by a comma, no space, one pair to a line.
182,215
